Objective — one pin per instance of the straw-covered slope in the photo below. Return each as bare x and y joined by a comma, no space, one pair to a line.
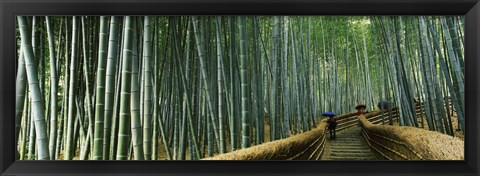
410,143
304,146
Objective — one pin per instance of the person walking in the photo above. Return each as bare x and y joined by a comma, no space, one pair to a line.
360,109
332,124
383,105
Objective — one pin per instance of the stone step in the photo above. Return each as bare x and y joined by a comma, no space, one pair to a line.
347,144
351,158
351,154
356,136
348,140
341,149
364,150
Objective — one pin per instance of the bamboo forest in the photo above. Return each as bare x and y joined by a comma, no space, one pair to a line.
240,88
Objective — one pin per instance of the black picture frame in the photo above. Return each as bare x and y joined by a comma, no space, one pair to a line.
10,8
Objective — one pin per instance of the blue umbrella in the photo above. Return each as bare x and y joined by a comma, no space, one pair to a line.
328,114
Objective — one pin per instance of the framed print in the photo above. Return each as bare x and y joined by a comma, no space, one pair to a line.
239,87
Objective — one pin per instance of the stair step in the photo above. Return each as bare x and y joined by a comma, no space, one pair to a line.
352,136
339,149
348,141
350,154
363,150
341,138
348,144
351,158
349,138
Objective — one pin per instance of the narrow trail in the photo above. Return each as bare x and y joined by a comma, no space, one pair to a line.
349,145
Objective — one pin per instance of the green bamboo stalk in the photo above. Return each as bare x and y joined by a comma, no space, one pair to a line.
68,152
25,127
20,85
295,82
243,80
67,87
286,100
100,91
233,114
32,136
110,85
273,80
136,125
37,106
260,92
278,82
456,40
147,112
53,91
154,99
428,74
88,99
219,84
123,135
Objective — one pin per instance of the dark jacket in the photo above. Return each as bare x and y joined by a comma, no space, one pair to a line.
383,105
332,123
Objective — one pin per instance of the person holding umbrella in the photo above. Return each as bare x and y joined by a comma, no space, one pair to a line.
332,123
360,109
383,105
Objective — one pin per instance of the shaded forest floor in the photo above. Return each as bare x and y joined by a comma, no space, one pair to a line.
162,154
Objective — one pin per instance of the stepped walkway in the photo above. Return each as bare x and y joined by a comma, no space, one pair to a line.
349,145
